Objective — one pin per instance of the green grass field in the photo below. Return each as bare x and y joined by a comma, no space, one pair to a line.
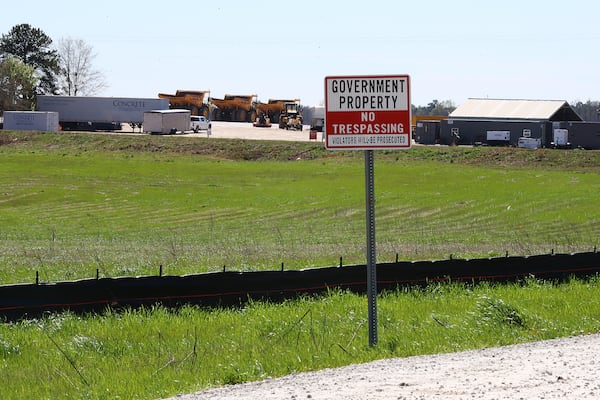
74,203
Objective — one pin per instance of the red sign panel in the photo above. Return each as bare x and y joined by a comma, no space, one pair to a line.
367,112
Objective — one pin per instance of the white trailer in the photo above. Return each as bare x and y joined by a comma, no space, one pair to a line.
44,121
560,139
166,121
77,112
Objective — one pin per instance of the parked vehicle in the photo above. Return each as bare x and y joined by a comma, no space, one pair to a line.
235,108
197,101
99,113
263,121
167,121
560,139
199,123
317,123
273,109
290,117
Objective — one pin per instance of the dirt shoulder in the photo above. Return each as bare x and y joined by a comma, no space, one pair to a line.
560,368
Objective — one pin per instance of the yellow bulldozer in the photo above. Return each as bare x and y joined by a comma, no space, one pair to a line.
291,118
194,100
237,108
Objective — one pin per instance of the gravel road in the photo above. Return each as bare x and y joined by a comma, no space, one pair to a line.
554,369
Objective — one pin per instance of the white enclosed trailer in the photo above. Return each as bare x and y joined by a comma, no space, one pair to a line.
45,121
560,139
77,112
166,121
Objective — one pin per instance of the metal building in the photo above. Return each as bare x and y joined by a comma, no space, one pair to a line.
506,122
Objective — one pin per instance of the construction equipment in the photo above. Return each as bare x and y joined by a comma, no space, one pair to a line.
290,117
237,108
317,123
263,121
274,108
194,100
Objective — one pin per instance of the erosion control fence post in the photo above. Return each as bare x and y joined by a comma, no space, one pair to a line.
371,252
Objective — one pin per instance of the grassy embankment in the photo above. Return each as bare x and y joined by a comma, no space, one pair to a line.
154,353
72,203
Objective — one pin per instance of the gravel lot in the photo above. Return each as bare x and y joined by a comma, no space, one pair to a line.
240,130
554,369
243,130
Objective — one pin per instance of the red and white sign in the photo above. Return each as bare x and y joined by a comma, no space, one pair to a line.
367,112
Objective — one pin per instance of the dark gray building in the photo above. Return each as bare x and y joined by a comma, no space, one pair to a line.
525,123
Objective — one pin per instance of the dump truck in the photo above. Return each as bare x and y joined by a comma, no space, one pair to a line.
290,117
273,108
197,101
237,108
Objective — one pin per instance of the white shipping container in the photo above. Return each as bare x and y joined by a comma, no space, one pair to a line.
45,121
166,121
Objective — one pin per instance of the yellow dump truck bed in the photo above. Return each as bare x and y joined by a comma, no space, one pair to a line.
234,102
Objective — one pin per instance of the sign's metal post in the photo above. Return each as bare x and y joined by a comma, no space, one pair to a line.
371,250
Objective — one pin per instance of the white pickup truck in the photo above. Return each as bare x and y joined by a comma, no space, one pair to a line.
199,123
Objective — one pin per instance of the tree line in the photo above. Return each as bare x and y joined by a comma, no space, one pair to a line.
30,65
435,107
588,111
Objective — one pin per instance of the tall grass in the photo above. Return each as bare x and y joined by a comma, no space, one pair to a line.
155,352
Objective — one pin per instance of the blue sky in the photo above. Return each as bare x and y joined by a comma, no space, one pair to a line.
452,50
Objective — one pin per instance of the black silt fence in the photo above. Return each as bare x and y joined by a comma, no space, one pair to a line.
235,288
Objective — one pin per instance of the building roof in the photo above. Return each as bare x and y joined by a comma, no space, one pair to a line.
551,110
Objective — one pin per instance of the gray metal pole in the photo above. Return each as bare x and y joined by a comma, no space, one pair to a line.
371,254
